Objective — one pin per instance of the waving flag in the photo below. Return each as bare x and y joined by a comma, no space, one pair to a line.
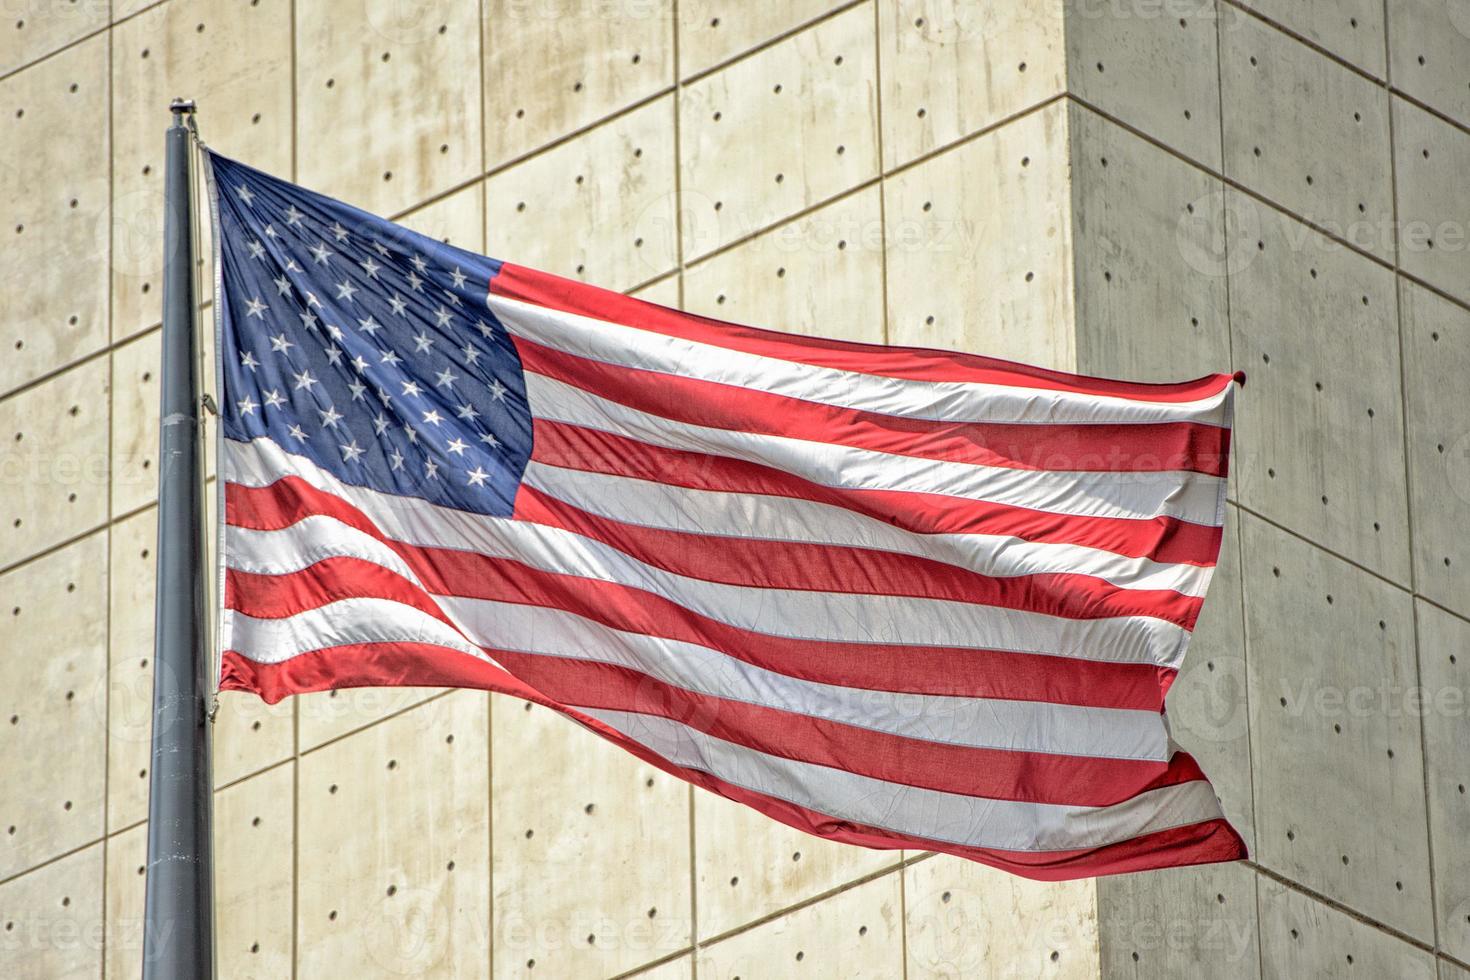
895,597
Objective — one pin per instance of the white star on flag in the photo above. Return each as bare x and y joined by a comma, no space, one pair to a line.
445,378
422,342
330,417
254,307
477,477
247,360
247,405
304,380
280,343
321,253
351,451
273,399
246,195
458,446
294,216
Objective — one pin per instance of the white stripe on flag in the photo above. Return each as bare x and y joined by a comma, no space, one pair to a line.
947,401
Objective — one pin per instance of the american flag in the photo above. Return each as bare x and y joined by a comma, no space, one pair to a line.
900,598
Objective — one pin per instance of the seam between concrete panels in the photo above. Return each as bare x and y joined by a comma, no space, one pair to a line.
692,951
107,613
1352,913
1398,304
1385,82
678,165
81,39
903,902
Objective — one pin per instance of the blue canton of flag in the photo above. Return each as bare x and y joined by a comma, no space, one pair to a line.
364,346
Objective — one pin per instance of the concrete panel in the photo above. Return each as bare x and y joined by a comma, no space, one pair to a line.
1431,158
1308,133
555,67
1300,937
1429,42
954,67
254,861
249,735
590,851
53,705
714,31
329,715
54,250
458,219
819,89
821,274
1350,29
36,29
1197,922
127,868
1148,232
857,934
394,846
966,920
1436,339
1154,66
1444,666
1339,778
387,99
53,919
992,221
1319,425
235,61
608,195
749,866
1208,704
54,464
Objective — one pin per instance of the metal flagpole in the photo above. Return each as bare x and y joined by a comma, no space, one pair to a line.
178,938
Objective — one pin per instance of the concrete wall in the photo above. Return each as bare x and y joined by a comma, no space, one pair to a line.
809,164
1278,187
1143,188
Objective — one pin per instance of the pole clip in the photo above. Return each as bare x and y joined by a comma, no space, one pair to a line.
206,401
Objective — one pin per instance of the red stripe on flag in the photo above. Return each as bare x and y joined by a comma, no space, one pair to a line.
767,564
393,664
913,363
1141,447
961,672
1164,539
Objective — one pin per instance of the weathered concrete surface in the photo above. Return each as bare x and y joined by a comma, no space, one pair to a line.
748,866
1430,53
1444,666
614,183
966,920
1153,66
36,29
1150,258
1301,937
565,802
53,180
1308,133
53,919
1198,922
712,32
856,934
393,852
1339,783
55,461
387,100
1350,29
1431,158
953,67
1320,430
819,274
819,90
198,49
553,68
991,220
53,628
1436,338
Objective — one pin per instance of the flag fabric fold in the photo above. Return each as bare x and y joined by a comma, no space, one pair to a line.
895,597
